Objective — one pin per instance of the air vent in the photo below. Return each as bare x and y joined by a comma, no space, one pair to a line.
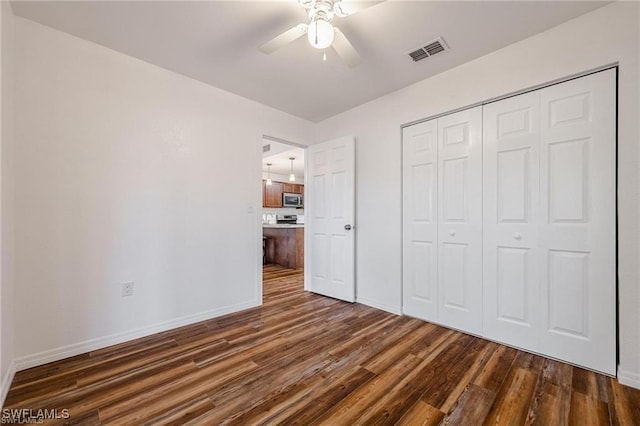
266,148
428,49
416,55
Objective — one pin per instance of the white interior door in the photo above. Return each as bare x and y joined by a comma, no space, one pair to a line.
329,217
577,229
420,221
460,220
510,207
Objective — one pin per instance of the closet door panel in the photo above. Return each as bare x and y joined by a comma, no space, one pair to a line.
577,230
460,220
420,215
510,206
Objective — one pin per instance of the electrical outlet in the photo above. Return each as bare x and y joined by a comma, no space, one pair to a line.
127,289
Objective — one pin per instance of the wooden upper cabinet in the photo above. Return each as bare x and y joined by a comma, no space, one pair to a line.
292,188
287,187
272,194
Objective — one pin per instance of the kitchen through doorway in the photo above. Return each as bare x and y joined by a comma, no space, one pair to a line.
283,179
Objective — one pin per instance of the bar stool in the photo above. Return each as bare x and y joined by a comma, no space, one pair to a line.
264,250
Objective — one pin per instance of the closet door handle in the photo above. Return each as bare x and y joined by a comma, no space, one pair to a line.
452,233
517,236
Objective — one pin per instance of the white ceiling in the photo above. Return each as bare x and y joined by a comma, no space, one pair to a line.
279,158
216,42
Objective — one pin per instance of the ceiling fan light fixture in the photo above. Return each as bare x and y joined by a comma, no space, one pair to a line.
320,34
307,4
340,10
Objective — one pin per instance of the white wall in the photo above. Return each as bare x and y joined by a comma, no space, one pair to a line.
120,171
7,366
599,38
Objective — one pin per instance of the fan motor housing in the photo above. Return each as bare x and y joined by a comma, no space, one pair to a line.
323,10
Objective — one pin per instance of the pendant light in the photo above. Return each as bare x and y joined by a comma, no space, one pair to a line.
269,182
292,177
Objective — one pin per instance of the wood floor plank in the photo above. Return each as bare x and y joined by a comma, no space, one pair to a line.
528,361
383,360
496,369
172,394
274,403
625,405
190,410
417,383
302,359
246,392
421,414
469,372
443,385
99,395
327,394
512,403
552,396
472,408
351,408
586,410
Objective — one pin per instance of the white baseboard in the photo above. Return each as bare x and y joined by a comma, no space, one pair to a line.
382,306
629,378
33,360
6,382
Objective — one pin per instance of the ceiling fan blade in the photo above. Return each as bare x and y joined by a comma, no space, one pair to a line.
345,7
284,39
345,49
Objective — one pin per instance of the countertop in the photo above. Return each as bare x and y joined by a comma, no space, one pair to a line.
283,225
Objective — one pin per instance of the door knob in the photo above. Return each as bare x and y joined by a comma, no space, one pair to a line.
452,233
347,227
517,236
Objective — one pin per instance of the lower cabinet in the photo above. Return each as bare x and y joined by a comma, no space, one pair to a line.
284,246
509,228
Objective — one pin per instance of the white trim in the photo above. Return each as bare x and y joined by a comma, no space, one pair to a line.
56,354
382,306
6,382
306,243
629,378
259,210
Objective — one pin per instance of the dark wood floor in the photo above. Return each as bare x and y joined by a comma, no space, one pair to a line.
306,359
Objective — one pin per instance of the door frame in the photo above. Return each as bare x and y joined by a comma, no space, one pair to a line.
259,209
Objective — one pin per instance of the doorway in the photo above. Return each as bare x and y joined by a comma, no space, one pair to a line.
283,221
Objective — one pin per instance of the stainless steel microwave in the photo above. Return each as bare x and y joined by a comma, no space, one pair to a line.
291,200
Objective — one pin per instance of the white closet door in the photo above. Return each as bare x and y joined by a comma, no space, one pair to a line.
511,203
577,230
420,229
460,220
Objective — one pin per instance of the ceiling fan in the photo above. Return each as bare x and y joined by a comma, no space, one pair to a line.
320,32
